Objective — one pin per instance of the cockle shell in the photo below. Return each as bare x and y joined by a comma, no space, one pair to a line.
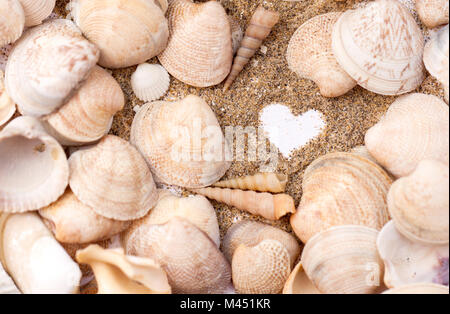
7,285
7,106
266,205
33,258
88,115
73,222
433,13
299,283
310,55
262,182
415,128
419,289
341,189
117,273
12,21
37,10
419,203
192,261
344,259
199,52
113,179
47,65
409,262
387,30
182,142
127,32
150,82
33,167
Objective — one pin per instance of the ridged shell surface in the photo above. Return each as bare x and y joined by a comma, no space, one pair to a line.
150,82
433,13
12,21
37,10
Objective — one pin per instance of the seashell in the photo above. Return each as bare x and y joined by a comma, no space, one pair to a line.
310,55
266,205
415,128
299,283
387,30
259,28
37,10
341,189
117,273
33,167
363,152
436,58
150,82
262,182
7,106
192,261
199,52
35,260
127,32
12,21
7,286
113,179
46,66
344,260
433,13
419,203
236,34
73,222
410,262
168,135
419,289
88,115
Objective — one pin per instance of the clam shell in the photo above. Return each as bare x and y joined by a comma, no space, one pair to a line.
199,52
7,106
299,283
33,167
113,179
415,128
310,56
127,32
37,10
433,13
419,289
262,182
12,21
7,286
168,135
150,82
387,30
46,66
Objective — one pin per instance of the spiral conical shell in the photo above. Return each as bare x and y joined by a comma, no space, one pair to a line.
12,21
7,106
262,182
37,10
433,13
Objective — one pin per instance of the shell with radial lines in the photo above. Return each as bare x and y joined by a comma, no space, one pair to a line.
37,11
7,106
262,182
150,82
12,21
433,13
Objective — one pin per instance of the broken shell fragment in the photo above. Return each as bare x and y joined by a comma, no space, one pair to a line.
433,13
150,82
12,21
7,106
37,10
262,182
299,283
419,289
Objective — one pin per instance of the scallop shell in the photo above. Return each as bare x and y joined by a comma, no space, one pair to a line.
192,261
299,283
168,135
199,52
262,182
12,21
33,167
409,262
37,10
433,13
341,189
117,273
46,66
150,82
419,289
310,55
127,32
419,203
415,128
7,106
387,30
344,260
35,260
7,286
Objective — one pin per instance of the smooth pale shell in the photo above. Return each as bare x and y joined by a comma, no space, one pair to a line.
299,283
419,289
7,106
12,21
433,13
150,82
37,10
262,182
7,285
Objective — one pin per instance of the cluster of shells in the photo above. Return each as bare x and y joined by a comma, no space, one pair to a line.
372,220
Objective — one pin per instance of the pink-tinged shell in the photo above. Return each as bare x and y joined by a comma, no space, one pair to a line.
433,13
12,21
419,289
7,106
37,11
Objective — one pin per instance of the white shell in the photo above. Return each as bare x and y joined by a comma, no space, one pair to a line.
12,21
37,10
7,286
7,106
150,82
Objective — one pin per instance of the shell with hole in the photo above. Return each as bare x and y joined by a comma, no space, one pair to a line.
12,21
410,262
433,13
262,182
344,260
150,82
37,11
341,189
310,56
419,289
7,106
113,179
415,128
192,261
47,65
199,52
387,30
33,167
7,285
35,260
117,273
299,283
182,142
127,32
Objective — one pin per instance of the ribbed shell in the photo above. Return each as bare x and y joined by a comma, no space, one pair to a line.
262,182
415,128
419,289
46,66
150,82
113,179
127,32
12,21
387,30
299,283
199,52
433,12
37,10
341,189
7,106
167,135
310,55
191,260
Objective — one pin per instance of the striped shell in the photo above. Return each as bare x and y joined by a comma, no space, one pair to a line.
150,82
262,182
37,11
12,21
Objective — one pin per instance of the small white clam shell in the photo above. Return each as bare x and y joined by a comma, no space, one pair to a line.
150,82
